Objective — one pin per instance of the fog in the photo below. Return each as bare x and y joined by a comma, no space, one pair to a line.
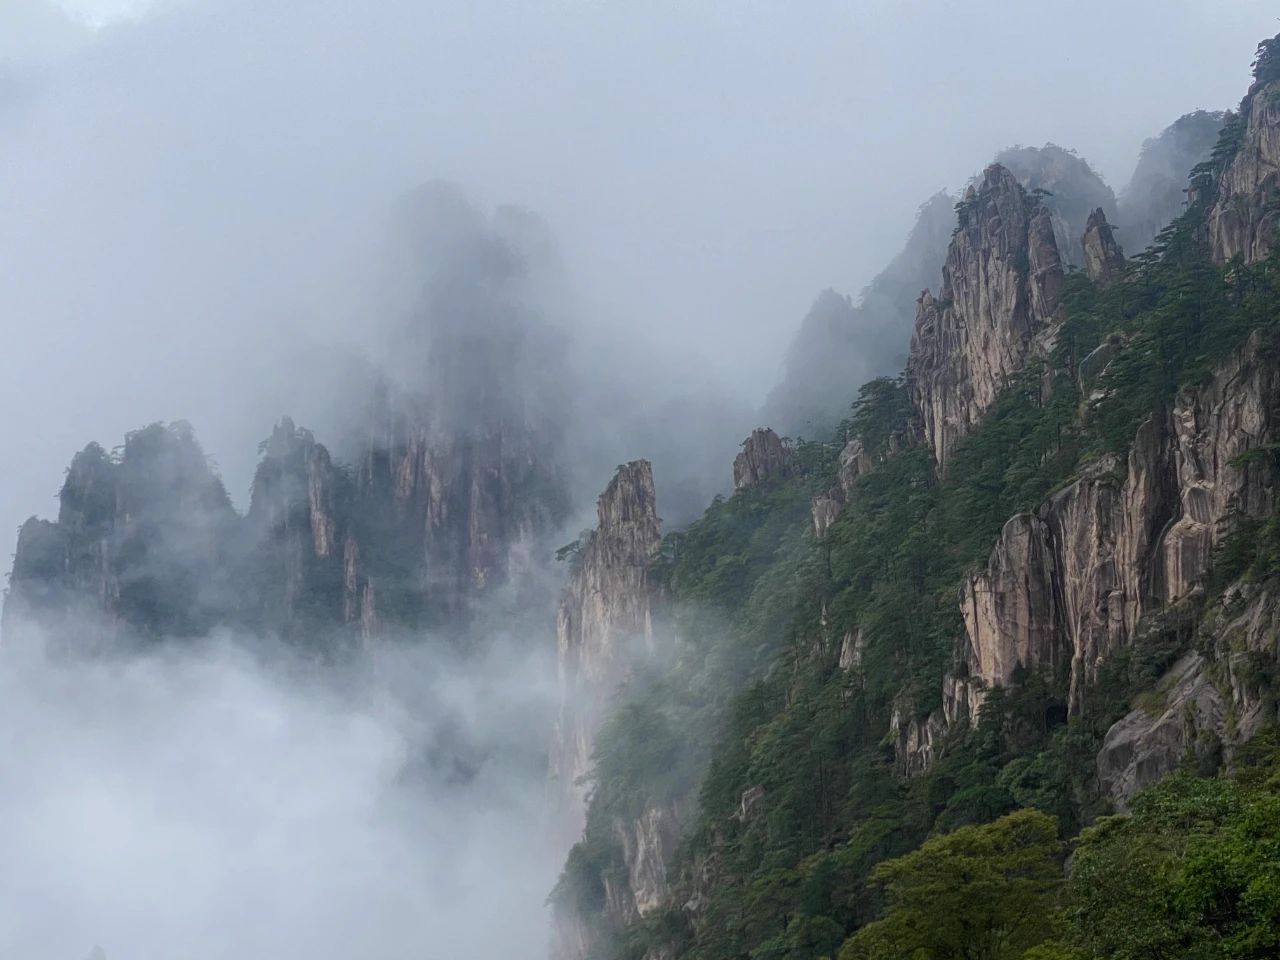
194,202
209,803
202,218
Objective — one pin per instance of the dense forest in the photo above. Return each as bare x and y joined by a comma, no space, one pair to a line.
803,726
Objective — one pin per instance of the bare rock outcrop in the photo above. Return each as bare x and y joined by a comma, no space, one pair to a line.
1184,719
1242,220
606,620
1011,611
917,740
764,456
1001,287
1069,584
1103,258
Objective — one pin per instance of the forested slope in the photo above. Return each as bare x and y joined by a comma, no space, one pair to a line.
994,673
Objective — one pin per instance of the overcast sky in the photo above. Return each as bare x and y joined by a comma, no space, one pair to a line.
193,193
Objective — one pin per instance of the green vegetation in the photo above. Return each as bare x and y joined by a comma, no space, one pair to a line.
806,842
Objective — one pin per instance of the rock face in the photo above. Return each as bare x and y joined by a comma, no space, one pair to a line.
1011,612
1001,286
917,740
606,621
764,456
1206,705
1185,720
1068,188
1242,221
452,478
613,614
1103,259
1067,586
140,548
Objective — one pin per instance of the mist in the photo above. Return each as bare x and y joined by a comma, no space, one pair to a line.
207,214
195,200
225,800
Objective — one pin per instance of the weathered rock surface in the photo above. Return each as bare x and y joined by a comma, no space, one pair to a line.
612,615
1069,584
1011,610
1242,221
1207,705
764,456
917,740
1068,188
648,848
606,621
1185,719
1001,286
1103,258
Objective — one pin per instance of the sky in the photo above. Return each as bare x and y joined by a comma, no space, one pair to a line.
194,196
198,201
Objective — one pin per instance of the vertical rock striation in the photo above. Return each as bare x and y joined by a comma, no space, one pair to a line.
1067,586
1001,286
606,620
1242,219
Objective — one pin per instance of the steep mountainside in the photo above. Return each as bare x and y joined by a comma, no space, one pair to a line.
1068,188
842,341
1035,576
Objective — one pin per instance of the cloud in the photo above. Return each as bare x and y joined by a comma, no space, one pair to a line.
213,802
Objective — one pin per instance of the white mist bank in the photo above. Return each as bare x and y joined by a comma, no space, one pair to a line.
200,804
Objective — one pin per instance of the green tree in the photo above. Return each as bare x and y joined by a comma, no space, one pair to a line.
980,893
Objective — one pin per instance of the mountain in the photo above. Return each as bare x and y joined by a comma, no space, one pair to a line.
994,675
840,344
1156,193
453,478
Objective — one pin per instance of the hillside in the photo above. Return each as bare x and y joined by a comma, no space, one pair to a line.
994,673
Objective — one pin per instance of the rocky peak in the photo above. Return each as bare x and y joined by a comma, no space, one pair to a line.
140,547
764,456
1103,258
1067,187
605,622
1001,287
1242,220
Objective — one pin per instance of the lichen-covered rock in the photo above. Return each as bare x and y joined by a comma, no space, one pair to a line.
1103,258
764,456
1001,287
